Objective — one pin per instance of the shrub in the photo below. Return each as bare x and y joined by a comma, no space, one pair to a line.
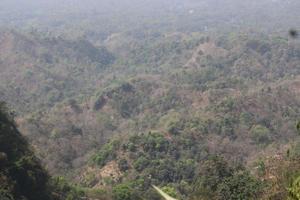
107,153
124,192
141,163
239,187
294,190
154,142
170,191
67,191
123,165
5,194
260,134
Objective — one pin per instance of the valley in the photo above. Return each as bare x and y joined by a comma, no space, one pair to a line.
111,106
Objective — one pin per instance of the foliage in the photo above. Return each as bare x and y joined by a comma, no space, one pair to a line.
124,192
164,194
170,191
219,181
156,159
230,92
5,194
141,163
213,172
260,134
294,192
123,165
66,190
238,187
21,170
106,154
21,174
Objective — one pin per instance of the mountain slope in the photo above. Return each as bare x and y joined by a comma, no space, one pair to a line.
21,174
38,72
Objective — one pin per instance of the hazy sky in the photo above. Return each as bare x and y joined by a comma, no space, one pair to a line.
266,12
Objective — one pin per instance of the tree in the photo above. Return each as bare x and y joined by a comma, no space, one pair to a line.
212,173
260,134
141,163
124,192
21,174
238,187
123,165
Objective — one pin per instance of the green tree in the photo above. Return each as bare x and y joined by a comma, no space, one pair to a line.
107,153
141,163
260,134
240,186
212,173
20,170
124,192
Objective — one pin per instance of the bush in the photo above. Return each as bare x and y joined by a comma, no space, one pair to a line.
141,163
214,171
123,165
170,191
154,143
66,191
175,127
239,187
186,169
107,153
124,192
218,181
5,195
246,118
260,134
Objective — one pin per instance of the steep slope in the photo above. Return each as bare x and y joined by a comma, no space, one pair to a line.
21,176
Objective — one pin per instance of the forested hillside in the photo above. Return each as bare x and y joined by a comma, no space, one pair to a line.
42,71
21,174
200,98
236,96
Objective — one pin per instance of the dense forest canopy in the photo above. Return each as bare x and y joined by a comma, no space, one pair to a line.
106,98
